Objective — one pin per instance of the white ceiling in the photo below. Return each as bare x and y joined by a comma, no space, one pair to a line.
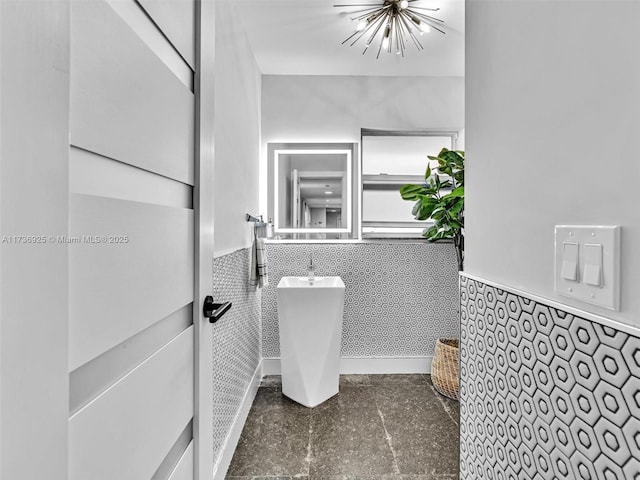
303,37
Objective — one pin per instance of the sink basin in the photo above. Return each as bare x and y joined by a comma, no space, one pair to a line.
310,321
304,282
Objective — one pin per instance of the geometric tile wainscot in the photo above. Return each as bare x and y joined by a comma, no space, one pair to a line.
400,296
236,343
544,394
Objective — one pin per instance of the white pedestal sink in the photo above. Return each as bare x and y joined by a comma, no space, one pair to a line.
310,321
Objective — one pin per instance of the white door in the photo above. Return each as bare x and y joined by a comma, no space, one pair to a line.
113,143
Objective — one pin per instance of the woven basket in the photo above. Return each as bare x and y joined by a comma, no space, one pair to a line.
445,369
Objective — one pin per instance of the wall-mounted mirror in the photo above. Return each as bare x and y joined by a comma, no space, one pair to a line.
311,190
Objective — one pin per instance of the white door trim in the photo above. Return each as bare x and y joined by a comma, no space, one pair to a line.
203,207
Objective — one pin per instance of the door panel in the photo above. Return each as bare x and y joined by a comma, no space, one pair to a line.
175,18
125,103
94,377
156,40
94,174
118,289
184,469
131,249
127,431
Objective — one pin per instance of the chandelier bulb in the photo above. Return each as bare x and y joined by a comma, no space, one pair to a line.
404,4
385,39
362,25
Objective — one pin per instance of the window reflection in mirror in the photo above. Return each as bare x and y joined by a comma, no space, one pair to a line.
311,190
391,159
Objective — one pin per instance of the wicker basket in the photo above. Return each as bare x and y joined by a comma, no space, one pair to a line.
445,369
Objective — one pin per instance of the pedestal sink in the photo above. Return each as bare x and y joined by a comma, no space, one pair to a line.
310,321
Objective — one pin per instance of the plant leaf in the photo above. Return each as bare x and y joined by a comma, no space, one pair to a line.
411,191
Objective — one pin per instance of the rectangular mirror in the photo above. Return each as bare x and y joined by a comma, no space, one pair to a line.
391,159
311,190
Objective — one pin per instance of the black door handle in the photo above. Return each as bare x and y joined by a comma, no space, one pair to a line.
214,311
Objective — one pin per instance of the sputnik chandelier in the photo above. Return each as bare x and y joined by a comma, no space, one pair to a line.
396,20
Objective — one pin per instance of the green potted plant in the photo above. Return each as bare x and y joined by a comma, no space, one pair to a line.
442,201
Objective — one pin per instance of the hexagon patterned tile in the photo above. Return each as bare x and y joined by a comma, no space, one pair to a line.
400,297
236,342
565,392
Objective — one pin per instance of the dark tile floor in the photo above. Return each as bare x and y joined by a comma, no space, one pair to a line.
379,427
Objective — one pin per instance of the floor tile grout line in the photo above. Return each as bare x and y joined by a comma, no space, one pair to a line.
388,437
444,405
309,457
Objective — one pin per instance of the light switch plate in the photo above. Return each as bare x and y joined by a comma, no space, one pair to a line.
607,295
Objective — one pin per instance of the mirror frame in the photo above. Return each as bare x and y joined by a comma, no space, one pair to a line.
348,149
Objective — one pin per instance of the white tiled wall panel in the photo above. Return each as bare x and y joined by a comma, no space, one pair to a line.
236,341
400,297
544,394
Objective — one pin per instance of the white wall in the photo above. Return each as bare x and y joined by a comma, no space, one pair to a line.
237,133
335,108
553,102
34,201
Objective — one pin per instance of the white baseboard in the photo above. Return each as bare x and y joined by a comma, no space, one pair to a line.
379,365
366,365
271,366
221,467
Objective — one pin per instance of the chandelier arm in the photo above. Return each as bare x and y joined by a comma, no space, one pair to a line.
363,31
436,28
350,37
395,30
401,29
377,29
417,42
403,43
410,30
377,14
388,19
426,19
424,8
422,16
400,37
360,5
367,13
391,33
367,29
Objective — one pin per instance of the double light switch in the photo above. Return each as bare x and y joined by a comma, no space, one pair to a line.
592,272
588,264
